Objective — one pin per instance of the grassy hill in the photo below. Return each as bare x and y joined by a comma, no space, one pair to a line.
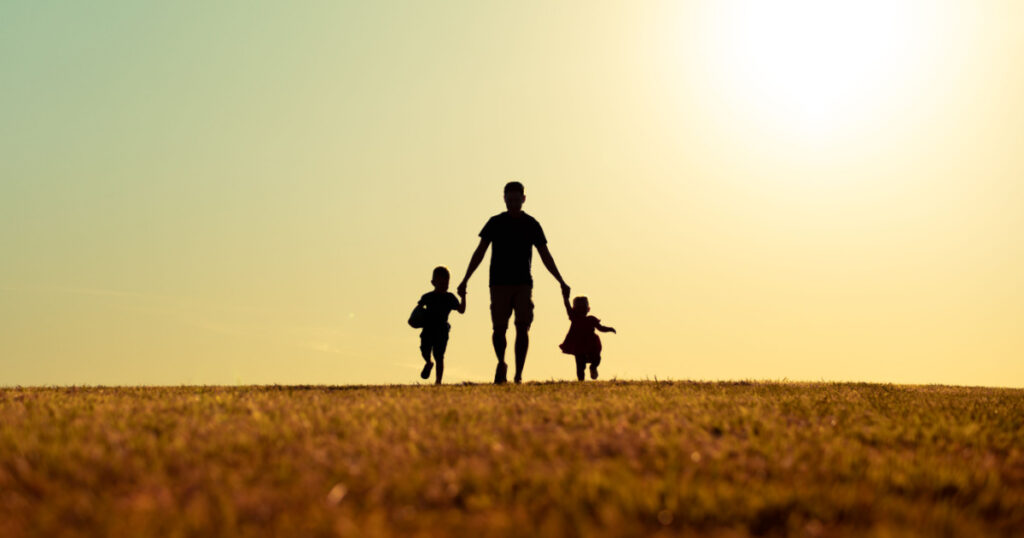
549,459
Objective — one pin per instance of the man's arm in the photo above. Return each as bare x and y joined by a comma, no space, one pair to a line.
549,262
474,262
462,304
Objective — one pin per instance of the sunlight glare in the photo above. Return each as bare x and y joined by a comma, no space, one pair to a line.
813,66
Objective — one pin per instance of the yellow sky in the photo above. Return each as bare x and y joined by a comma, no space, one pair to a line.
257,192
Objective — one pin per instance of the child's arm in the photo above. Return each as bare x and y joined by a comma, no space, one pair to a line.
462,305
565,301
604,329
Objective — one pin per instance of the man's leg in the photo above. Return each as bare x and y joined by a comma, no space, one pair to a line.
500,371
522,346
498,340
501,310
523,305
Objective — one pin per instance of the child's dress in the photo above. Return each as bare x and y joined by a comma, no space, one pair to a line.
582,338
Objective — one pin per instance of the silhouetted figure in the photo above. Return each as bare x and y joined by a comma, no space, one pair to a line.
513,234
432,314
582,342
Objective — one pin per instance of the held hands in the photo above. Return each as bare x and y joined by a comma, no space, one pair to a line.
565,290
461,290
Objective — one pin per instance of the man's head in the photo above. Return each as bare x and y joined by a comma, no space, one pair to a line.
514,196
440,278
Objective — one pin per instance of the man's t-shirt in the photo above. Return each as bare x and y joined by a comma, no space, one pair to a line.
439,305
512,241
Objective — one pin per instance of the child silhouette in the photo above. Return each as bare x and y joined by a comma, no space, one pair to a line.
582,342
436,306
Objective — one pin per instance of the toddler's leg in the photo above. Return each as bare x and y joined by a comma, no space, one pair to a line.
581,364
595,360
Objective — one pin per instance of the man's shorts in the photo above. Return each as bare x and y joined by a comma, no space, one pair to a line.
506,299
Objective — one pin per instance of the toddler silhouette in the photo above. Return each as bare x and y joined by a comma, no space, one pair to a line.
582,342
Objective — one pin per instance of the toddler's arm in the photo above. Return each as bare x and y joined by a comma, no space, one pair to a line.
604,329
565,301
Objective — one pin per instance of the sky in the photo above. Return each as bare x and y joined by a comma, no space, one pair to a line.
256,192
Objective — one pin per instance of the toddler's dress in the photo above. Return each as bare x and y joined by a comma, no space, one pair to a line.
582,338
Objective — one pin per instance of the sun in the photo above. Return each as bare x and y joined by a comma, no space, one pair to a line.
811,66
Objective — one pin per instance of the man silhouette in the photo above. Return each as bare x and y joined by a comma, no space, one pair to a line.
513,234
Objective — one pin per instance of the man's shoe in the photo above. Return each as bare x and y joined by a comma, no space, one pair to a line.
426,370
593,371
501,373
518,379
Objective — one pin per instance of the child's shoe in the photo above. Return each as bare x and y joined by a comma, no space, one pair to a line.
426,369
593,371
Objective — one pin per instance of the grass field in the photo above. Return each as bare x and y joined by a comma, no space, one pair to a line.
549,459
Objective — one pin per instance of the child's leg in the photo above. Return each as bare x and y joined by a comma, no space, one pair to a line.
439,348
581,364
440,369
425,344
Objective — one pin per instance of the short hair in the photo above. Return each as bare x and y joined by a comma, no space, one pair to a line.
514,186
440,272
